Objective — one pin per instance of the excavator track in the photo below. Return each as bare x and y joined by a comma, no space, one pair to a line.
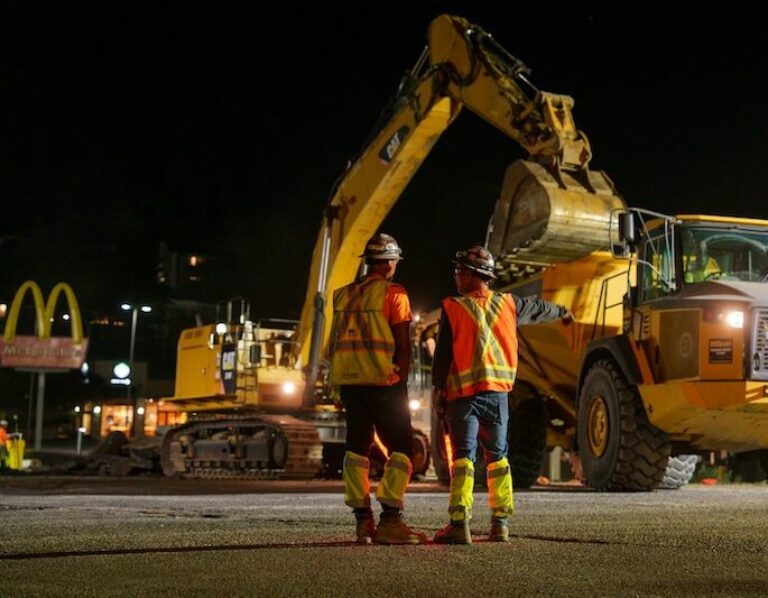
250,447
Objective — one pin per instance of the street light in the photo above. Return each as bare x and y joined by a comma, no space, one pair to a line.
134,309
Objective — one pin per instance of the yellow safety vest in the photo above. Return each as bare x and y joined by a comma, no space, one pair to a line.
362,346
484,344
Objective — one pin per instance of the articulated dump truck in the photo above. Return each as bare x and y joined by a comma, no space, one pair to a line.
668,353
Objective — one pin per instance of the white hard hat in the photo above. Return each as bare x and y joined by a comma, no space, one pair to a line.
382,247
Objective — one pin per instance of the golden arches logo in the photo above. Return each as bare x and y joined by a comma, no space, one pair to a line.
42,350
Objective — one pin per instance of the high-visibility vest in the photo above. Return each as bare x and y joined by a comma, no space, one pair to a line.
362,346
484,344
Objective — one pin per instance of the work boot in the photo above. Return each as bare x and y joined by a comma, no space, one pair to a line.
365,527
393,530
499,529
456,532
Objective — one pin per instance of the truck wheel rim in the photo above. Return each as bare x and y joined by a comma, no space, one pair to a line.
420,451
598,426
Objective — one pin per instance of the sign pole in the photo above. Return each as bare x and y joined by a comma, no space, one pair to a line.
42,352
30,401
39,413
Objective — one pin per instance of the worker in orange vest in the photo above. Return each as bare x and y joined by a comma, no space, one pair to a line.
473,373
3,443
370,356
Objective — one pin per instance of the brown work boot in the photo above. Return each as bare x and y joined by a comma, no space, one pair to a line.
365,527
393,530
499,529
456,532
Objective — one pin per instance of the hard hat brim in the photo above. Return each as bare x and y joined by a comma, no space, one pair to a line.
489,275
382,259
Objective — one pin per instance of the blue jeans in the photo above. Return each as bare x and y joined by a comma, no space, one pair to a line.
484,416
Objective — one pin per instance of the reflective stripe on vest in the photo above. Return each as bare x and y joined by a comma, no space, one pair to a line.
484,344
362,345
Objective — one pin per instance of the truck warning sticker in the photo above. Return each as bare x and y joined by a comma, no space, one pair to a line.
720,350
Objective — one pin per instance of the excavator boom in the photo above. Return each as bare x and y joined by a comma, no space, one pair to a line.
462,66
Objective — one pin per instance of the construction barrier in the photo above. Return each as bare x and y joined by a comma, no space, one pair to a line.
15,452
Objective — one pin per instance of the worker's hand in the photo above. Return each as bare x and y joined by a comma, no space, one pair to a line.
567,317
439,402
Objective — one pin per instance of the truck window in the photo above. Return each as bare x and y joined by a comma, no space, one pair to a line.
717,254
658,274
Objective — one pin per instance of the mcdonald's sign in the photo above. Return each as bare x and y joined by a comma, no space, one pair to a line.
43,351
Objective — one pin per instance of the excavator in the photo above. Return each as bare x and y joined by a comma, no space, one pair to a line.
618,385
248,415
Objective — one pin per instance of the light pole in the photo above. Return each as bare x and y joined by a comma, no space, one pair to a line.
134,309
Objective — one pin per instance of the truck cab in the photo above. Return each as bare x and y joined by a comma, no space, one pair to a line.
700,314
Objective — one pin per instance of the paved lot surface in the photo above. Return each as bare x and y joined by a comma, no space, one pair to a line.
166,537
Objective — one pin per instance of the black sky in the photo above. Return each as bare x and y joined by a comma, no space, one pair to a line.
222,128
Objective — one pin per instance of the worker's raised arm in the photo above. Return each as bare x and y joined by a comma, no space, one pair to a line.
535,311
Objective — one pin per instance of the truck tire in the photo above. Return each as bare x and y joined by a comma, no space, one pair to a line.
527,437
439,457
420,457
679,471
421,453
619,448
763,455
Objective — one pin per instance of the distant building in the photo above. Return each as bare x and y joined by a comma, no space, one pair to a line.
184,272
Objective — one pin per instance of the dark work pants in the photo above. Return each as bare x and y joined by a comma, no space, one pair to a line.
383,408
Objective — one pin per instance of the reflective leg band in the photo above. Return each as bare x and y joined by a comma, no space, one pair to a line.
357,485
500,488
462,485
391,488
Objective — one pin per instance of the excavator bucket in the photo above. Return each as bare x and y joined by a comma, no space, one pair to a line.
540,220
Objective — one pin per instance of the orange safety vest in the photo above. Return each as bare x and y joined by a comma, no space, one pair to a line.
362,346
484,344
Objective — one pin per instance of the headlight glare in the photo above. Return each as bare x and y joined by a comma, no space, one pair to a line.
735,319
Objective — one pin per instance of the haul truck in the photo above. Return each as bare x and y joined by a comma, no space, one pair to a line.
245,423
668,353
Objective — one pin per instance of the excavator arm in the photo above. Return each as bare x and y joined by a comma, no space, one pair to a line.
461,66
477,72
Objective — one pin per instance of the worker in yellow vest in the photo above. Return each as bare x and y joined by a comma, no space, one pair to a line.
370,355
473,373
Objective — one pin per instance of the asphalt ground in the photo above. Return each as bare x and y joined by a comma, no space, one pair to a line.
141,537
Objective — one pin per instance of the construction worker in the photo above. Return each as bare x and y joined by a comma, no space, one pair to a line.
696,272
473,373
370,356
3,443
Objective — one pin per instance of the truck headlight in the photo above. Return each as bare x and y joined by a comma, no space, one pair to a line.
735,319
289,388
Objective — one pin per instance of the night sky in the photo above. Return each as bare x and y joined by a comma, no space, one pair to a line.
221,130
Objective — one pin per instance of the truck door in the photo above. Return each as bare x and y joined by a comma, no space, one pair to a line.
670,334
